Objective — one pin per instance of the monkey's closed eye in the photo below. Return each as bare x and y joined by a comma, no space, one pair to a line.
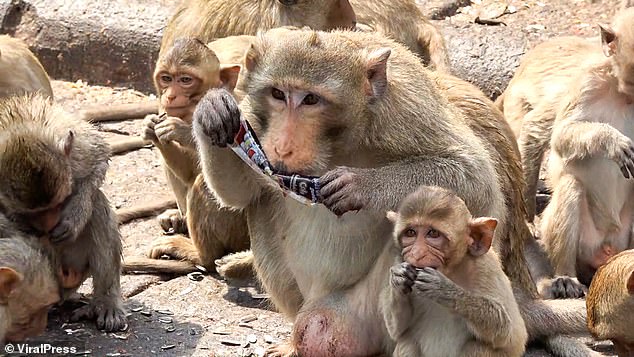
288,2
278,94
310,99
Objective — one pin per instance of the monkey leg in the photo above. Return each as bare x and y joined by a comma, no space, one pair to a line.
533,141
236,266
175,221
479,349
99,247
406,349
176,247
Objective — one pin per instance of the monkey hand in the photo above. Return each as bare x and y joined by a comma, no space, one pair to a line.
402,277
65,231
434,285
108,315
342,190
623,155
148,132
173,129
217,118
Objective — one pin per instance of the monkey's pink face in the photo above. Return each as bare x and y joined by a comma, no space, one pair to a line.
294,136
423,246
179,93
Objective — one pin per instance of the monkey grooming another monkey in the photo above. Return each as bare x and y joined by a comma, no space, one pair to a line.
21,70
445,275
52,166
611,302
28,287
182,76
361,112
591,164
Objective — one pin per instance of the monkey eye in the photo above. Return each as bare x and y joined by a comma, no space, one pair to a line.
310,99
186,79
278,94
432,233
410,233
288,2
165,78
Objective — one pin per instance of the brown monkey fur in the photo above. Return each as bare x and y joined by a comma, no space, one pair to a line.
21,70
406,133
610,303
207,19
183,74
403,21
52,166
591,163
28,286
445,275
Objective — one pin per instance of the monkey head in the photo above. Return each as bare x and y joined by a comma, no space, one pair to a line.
434,228
310,97
618,43
185,71
35,176
25,296
338,14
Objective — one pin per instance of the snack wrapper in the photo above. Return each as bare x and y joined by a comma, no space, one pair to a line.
305,189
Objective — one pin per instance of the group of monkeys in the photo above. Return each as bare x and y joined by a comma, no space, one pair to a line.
422,243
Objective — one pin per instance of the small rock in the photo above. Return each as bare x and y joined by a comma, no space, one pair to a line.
201,268
248,318
83,353
196,276
243,324
165,319
119,337
268,338
165,312
169,329
259,351
228,342
260,296
167,347
252,338
221,332
146,313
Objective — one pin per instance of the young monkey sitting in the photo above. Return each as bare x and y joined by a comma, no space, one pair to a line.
448,295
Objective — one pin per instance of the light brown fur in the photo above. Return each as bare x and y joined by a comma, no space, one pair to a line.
52,166
447,294
21,71
28,287
610,303
591,162
368,166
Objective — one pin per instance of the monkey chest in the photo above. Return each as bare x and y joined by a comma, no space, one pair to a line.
441,331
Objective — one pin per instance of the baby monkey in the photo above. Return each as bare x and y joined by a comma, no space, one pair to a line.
448,295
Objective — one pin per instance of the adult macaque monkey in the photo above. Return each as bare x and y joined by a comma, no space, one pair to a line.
183,74
403,21
611,302
22,72
445,275
28,287
52,166
591,163
361,112
207,19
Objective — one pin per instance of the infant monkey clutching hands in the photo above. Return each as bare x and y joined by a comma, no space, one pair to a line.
448,295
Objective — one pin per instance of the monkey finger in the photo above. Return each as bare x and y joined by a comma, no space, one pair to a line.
156,119
83,313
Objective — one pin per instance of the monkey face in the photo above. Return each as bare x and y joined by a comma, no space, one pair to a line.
319,15
423,246
179,93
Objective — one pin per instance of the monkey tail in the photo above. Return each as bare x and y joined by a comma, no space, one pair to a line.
128,143
554,317
125,215
101,113
157,266
431,40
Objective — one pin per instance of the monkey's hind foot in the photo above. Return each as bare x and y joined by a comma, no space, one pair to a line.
236,266
562,287
109,315
176,247
281,350
172,222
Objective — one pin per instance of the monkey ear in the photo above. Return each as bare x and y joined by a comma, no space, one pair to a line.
229,76
630,284
67,142
392,216
481,231
9,280
251,58
376,71
608,39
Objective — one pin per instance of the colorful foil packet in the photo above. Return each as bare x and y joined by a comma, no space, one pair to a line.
305,189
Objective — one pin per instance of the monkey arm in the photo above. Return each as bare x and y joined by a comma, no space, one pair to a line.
397,312
573,140
345,189
181,160
78,209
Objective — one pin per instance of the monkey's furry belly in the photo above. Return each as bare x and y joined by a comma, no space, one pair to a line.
441,332
320,245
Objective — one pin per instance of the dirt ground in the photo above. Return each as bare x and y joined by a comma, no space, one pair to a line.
182,317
